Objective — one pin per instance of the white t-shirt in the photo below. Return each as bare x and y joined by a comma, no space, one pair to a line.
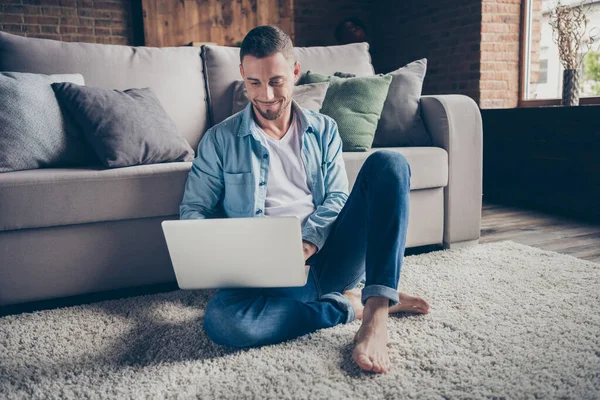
287,186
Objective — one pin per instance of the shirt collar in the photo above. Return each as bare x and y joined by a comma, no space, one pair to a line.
249,126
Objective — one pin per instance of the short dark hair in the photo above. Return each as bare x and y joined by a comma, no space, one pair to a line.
264,41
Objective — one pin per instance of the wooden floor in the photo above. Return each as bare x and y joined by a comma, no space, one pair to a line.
541,230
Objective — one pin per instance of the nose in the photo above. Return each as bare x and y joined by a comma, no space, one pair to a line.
268,93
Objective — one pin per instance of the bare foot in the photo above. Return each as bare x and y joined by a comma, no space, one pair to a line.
407,303
410,304
370,352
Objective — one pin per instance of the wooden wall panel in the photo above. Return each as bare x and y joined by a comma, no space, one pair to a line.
224,22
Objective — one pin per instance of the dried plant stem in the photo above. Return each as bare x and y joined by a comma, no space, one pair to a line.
569,25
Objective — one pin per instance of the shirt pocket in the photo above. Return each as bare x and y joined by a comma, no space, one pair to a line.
239,190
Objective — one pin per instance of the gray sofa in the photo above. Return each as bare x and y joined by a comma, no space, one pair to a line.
71,231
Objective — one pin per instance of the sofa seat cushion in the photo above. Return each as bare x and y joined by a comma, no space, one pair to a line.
428,165
66,196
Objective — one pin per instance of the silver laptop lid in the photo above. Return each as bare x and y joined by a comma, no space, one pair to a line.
236,252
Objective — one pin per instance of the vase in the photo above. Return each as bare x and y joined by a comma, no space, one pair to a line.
570,94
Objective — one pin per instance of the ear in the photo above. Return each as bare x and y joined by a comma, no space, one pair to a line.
242,71
296,71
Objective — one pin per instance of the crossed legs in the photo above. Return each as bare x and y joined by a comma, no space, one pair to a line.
367,241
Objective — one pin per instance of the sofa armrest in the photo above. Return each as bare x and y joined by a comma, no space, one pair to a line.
454,123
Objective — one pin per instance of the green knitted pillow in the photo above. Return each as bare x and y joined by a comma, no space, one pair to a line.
355,104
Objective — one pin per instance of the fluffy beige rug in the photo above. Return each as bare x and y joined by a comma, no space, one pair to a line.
506,321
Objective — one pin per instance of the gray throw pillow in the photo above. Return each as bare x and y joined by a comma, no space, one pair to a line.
309,96
401,123
124,127
34,131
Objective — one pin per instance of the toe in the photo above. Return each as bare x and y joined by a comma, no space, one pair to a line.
364,362
383,364
376,366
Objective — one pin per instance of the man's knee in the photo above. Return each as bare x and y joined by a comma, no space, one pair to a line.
388,164
389,159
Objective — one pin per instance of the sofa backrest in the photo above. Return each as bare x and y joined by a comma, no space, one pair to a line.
221,68
174,74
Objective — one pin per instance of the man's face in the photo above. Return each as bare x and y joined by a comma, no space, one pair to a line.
270,83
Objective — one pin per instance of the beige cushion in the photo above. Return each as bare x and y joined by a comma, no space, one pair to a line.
66,196
173,73
428,165
222,69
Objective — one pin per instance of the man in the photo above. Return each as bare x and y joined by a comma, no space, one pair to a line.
275,158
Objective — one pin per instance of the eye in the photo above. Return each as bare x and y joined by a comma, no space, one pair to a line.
276,83
255,83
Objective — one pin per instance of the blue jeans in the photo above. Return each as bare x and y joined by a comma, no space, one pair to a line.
368,240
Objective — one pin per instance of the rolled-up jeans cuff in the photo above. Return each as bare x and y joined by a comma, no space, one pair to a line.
338,299
381,291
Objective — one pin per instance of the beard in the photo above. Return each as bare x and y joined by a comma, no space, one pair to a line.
271,114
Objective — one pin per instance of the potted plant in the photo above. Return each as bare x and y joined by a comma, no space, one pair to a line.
569,28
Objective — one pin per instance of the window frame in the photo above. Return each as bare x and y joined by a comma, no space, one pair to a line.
526,6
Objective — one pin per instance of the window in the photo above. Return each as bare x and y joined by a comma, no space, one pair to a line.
543,77
542,70
543,74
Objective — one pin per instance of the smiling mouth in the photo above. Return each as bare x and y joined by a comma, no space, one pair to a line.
269,104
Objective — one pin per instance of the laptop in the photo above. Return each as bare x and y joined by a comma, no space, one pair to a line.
236,252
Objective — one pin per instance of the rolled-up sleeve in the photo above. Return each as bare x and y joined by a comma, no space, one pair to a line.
319,224
204,185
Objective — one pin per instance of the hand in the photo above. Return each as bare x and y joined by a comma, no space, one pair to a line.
309,249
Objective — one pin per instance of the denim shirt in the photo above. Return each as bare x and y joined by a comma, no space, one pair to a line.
232,167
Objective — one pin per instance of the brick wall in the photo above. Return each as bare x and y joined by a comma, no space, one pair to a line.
500,53
473,46
92,21
446,32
